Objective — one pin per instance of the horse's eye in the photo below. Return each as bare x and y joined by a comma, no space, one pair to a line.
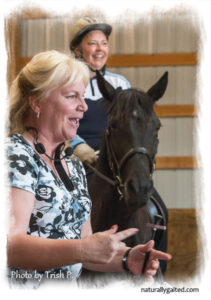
157,132
157,136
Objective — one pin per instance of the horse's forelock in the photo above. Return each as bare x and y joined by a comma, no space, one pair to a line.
126,102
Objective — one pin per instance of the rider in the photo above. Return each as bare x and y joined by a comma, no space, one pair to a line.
90,44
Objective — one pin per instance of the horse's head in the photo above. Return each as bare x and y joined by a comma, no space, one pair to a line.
132,137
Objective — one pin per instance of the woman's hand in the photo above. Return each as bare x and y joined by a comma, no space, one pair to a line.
102,247
136,257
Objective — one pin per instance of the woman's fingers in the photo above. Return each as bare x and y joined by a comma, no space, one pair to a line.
105,245
117,237
121,235
155,264
137,257
148,246
112,230
155,254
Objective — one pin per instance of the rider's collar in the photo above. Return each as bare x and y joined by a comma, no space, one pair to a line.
101,70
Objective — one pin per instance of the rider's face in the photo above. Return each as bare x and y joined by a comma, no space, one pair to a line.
94,47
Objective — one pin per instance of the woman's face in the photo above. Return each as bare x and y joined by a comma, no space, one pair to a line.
94,47
61,112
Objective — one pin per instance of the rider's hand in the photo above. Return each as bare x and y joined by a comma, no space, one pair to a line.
85,153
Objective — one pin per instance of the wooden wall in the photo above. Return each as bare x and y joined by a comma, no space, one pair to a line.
183,241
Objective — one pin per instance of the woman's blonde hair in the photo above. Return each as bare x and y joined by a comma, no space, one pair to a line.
44,73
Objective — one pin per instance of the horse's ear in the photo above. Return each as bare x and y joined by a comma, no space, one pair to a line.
106,89
158,89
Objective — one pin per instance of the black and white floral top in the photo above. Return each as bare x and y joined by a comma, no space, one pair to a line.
57,213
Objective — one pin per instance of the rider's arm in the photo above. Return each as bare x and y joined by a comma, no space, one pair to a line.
76,141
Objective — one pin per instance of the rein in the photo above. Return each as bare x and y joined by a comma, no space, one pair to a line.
116,167
101,175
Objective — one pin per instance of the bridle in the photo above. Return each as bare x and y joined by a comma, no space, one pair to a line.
154,209
117,167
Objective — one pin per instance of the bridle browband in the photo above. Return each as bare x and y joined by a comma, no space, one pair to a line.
116,167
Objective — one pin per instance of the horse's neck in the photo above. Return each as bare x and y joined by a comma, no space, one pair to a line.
103,194
97,185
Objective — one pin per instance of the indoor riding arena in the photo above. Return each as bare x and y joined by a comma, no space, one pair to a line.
142,48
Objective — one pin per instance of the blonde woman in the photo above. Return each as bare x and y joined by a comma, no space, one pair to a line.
50,235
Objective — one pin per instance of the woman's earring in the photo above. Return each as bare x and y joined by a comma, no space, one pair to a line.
38,115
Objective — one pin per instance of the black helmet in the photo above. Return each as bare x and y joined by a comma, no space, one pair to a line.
83,26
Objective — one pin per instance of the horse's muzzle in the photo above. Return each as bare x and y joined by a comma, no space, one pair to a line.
138,192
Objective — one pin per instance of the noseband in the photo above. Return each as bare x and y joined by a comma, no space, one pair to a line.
127,156
116,167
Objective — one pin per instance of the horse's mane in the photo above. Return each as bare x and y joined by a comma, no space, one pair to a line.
128,102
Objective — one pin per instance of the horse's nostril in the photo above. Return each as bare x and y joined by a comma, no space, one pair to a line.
137,193
132,186
138,187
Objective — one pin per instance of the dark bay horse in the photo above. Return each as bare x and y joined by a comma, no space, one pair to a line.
121,186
